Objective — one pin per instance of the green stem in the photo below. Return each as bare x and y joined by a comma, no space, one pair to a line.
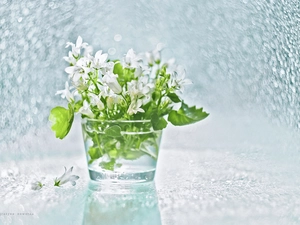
98,143
150,154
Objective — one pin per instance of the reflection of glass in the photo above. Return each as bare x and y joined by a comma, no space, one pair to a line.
121,150
128,204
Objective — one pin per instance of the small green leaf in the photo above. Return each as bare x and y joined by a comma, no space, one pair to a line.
113,131
108,165
132,155
94,153
156,95
78,105
61,119
186,115
113,153
174,97
158,123
118,69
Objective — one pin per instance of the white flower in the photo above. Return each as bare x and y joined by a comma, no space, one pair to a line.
135,106
178,80
138,71
111,80
88,50
112,100
37,185
140,88
133,89
100,59
153,57
171,66
84,63
70,59
66,93
105,91
86,110
81,85
131,59
76,47
96,100
109,67
80,69
66,177
111,97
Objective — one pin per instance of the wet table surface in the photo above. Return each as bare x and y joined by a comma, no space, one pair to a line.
208,183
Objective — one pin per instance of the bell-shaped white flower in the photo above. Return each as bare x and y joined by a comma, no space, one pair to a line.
80,69
153,57
70,58
85,64
110,101
86,110
76,47
88,50
140,88
178,80
100,59
66,93
96,100
66,177
113,99
135,106
111,80
81,85
171,66
138,71
104,90
131,59
37,185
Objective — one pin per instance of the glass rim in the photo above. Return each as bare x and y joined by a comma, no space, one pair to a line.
116,121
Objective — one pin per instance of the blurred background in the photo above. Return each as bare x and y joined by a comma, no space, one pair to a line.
243,58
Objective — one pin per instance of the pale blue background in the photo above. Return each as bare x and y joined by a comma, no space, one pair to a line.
240,165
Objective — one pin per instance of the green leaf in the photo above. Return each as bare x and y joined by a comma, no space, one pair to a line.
156,95
108,165
174,97
118,68
186,115
61,119
113,153
78,105
113,131
132,155
94,153
158,123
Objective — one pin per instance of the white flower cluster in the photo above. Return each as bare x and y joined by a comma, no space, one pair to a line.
100,88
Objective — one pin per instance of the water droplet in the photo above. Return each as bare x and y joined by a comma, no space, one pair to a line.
111,51
117,37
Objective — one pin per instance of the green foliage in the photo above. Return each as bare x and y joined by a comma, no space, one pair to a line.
94,153
186,115
174,97
157,122
121,141
113,131
108,165
61,119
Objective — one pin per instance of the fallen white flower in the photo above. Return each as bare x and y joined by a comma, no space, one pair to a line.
66,177
37,185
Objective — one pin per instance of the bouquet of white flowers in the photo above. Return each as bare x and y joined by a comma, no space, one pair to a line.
140,87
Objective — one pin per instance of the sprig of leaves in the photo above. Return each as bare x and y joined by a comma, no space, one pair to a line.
186,115
61,119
